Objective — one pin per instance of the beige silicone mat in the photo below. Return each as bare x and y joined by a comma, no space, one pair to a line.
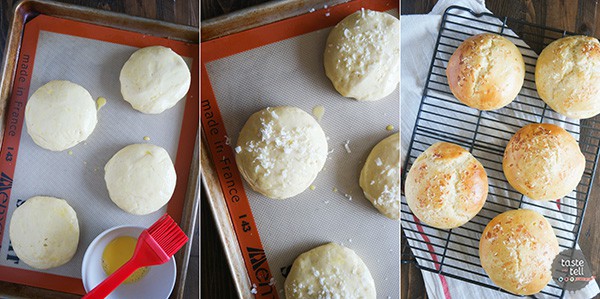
290,72
79,177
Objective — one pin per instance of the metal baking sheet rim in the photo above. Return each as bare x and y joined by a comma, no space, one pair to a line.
22,12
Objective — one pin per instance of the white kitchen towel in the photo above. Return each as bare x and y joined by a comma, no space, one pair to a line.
418,39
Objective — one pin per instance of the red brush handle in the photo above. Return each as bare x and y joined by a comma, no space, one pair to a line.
113,281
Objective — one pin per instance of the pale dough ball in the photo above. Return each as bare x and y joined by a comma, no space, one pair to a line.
380,177
154,79
567,76
517,249
280,151
140,178
362,55
59,115
44,232
543,161
329,271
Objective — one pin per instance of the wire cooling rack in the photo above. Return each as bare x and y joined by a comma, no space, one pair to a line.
454,253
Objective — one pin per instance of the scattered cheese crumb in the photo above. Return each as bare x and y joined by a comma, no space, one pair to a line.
253,290
272,281
326,202
85,162
350,240
325,6
327,14
389,128
238,149
335,189
311,10
312,187
227,140
347,146
147,138
348,196
70,153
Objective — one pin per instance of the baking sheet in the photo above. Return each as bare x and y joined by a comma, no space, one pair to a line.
290,72
79,177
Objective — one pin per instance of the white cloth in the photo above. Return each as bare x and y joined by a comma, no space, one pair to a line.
418,39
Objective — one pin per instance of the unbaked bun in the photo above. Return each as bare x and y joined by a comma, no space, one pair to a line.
329,271
140,178
543,161
567,76
517,249
362,55
280,151
59,115
154,79
486,72
380,177
44,232
446,186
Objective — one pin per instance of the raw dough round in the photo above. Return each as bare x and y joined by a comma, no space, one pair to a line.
154,79
517,249
140,178
380,177
362,55
446,186
543,161
329,271
280,151
567,76
59,115
44,232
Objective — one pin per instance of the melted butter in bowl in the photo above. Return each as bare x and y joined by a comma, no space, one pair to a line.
117,253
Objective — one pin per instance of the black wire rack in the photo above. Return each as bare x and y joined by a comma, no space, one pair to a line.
454,253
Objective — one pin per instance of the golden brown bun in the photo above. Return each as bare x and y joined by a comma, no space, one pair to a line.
486,72
516,251
543,161
446,186
567,76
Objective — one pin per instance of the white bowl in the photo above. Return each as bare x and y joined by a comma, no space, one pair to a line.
158,283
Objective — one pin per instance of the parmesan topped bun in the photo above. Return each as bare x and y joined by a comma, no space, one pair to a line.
154,79
567,76
486,72
543,161
380,177
516,251
446,186
329,271
280,151
362,55
44,232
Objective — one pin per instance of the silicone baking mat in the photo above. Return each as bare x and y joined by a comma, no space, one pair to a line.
91,56
281,64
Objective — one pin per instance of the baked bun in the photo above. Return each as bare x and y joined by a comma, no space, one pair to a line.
280,151
543,161
446,186
362,55
567,76
486,72
516,251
